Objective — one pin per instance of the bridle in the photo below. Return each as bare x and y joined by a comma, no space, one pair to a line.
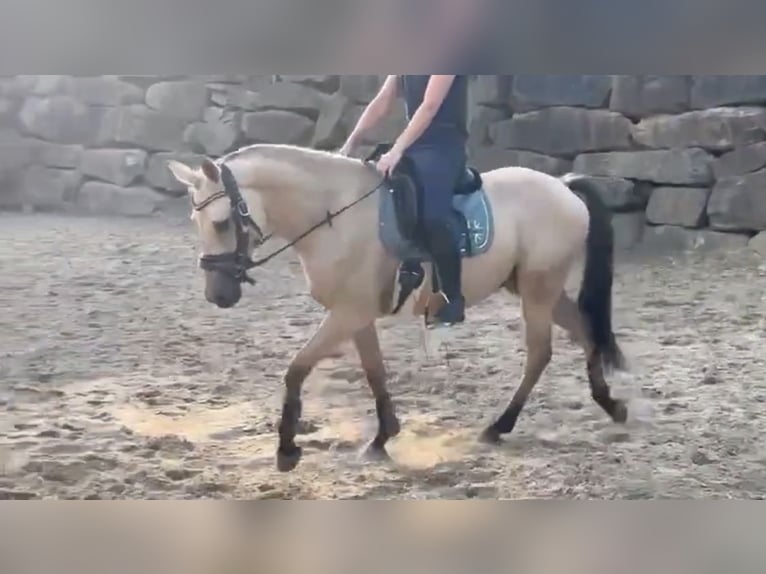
237,263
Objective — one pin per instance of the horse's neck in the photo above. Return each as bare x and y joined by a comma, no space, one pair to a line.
296,193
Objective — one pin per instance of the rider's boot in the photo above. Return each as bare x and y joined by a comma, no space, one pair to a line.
444,250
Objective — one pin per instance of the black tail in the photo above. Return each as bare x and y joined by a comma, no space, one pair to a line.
595,298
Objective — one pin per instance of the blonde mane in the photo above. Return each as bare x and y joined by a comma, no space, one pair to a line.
296,187
301,168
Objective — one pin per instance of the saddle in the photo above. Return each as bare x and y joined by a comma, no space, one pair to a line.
401,226
407,194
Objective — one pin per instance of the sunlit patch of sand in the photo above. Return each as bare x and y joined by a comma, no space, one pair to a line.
196,426
344,429
424,444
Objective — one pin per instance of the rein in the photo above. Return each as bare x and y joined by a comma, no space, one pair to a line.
239,262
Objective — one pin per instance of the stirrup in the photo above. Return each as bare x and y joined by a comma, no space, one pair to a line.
436,320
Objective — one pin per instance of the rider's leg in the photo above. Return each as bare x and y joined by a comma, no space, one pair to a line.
438,170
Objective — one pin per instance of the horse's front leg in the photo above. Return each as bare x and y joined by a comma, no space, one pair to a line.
335,328
368,347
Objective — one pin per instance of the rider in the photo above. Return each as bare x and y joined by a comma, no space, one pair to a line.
435,140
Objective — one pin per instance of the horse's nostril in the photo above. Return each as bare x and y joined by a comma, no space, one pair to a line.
225,302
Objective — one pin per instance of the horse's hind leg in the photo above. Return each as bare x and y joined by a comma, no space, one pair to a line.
368,347
539,292
335,328
568,316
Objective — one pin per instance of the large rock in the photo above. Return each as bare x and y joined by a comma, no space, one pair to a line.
139,126
491,90
331,129
159,175
60,119
622,194
387,130
531,92
16,153
217,134
628,229
240,96
119,166
285,96
691,167
65,156
51,85
684,206
185,100
258,81
645,95
11,192
277,126
250,81
669,239
17,86
106,91
49,189
230,96
738,203
145,80
489,158
480,119
222,78
359,88
8,113
98,198
716,129
758,243
712,91
327,84
741,161
564,132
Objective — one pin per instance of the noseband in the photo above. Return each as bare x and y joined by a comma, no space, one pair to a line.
236,263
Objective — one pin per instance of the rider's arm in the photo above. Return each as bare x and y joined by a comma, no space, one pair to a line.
375,111
436,91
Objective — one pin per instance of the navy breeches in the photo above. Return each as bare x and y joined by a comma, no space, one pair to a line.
439,168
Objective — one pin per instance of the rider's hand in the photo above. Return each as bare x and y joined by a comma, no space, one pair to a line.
347,148
388,162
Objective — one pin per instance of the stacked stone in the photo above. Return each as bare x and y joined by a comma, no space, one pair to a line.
680,159
100,144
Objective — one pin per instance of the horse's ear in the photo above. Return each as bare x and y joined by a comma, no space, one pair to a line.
183,173
211,170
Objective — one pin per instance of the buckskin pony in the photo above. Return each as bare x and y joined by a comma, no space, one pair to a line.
356,235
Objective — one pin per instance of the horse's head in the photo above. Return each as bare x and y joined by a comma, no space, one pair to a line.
227,228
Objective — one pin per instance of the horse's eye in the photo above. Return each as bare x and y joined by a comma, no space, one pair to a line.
222,226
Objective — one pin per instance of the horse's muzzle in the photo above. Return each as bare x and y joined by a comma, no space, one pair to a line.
222,289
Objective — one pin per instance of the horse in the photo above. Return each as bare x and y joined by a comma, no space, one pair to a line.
522,232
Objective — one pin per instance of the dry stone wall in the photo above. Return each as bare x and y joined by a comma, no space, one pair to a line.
681,160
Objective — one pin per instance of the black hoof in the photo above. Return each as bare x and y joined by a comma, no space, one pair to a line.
388,422
376,453
287,460
490,436
620,412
